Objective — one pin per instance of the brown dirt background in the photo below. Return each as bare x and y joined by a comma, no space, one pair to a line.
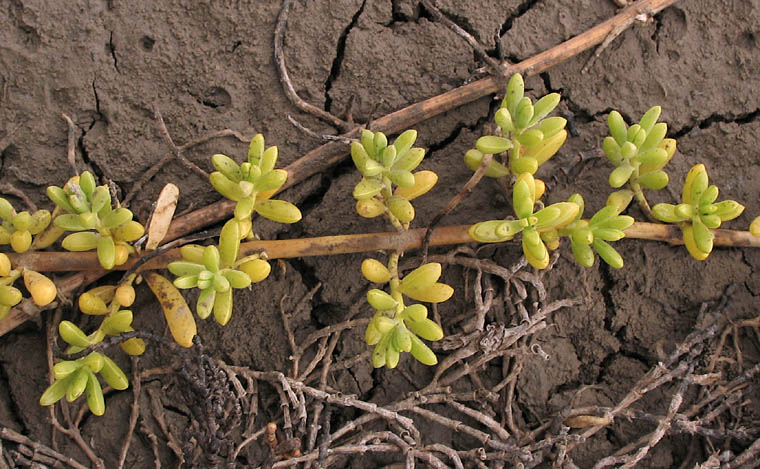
209,65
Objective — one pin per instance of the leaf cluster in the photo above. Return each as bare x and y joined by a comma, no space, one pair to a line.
698,213
216,271
17,228
530,137
252,184
88,212
395,327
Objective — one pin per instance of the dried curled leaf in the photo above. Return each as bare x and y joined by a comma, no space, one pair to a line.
162,215
583,421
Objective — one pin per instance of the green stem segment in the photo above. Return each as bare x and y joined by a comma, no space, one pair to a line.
395,281
12,277
641,200
386,195
514,152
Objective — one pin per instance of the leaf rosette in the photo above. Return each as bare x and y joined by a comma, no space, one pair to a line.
389,182
216,271
537,228
88,211
395,327
18,228
76,377
698,213
605,226
252,184
527,134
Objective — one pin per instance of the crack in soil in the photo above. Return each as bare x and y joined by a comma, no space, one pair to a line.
316,197
746,283
81,143
743,118
351,373
339,55
656,34
308,276
548,83
569,116
112,49
3,153
523,8
583,115
579,112
608,283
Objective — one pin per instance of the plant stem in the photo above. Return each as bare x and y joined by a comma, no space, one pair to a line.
386,194
87,262
395,281
514,153
641,200
88,268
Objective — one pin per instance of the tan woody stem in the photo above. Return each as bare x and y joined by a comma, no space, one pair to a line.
88,267
347,244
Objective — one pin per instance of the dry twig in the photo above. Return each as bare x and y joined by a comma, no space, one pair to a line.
8,188
493,64
71,145
135,412
282,72
10,435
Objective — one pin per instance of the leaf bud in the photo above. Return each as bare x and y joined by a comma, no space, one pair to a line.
375,271
42,289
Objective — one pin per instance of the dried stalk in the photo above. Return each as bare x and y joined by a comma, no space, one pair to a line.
10,435
346,244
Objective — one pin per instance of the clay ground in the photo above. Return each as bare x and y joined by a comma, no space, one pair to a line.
207,66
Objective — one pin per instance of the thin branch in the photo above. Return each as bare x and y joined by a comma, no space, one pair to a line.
346,244
71,144
135,412
153,170
175,149
10,435
282,72
8,188
474,44
323,137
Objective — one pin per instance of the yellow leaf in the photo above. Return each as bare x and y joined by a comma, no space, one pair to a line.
178,315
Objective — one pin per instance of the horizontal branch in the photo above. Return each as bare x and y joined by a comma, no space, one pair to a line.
348,244
88,268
